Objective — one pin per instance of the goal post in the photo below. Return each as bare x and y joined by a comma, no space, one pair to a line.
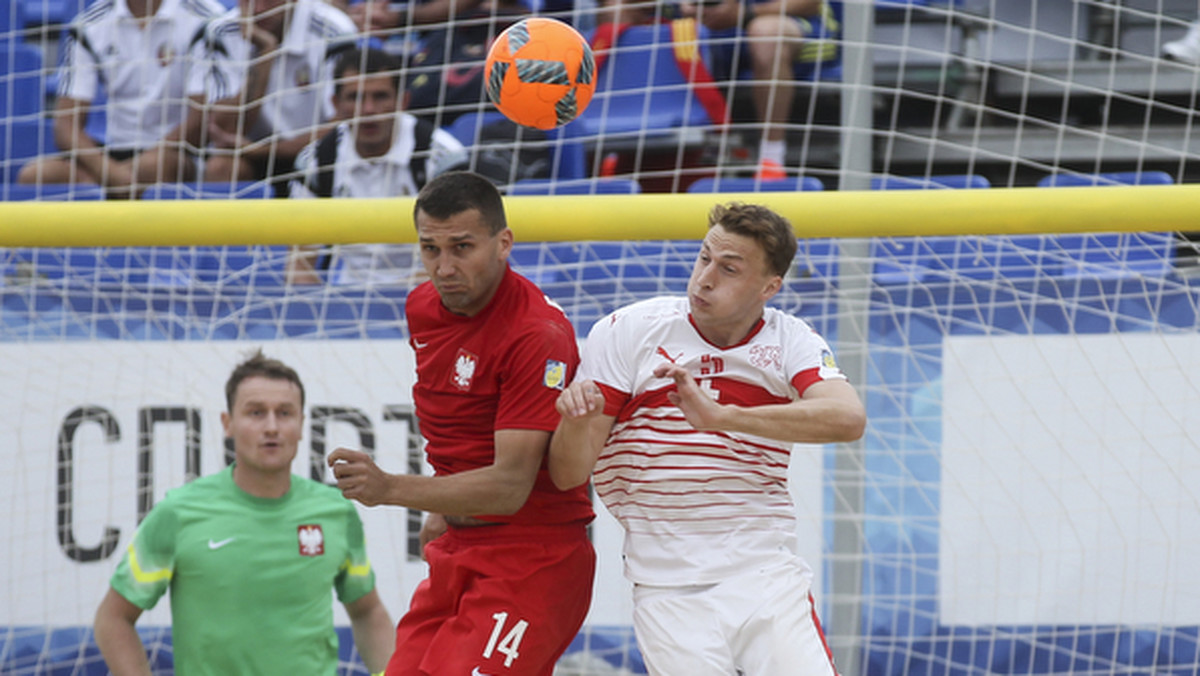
1024,500
881,213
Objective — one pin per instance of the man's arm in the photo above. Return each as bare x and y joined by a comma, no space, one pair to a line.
117,637
734,13
581,433
829,411
499,488
70,135
246,104
374,635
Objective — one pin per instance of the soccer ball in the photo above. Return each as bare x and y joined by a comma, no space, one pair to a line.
540,73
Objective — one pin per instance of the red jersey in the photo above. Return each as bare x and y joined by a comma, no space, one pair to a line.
501,369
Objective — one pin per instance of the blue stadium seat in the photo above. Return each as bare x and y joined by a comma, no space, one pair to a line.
58,192
1112,254
51,12
730,184
193,191
12,19
21,141
567,156
1106,178
21,91
640,89
599,186
929,182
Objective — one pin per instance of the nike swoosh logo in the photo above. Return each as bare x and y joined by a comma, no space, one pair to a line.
421,346
477,672
217,544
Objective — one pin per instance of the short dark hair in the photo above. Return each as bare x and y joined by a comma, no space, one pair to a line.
259,364
772,232
457,191
369,61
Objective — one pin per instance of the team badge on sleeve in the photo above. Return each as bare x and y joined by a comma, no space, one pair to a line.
827,360
556,375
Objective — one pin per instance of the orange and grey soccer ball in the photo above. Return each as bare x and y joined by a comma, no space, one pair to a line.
540,73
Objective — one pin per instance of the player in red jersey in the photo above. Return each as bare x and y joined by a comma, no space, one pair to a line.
687,409
510,580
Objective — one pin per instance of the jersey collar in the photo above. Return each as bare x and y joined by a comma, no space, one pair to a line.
749,335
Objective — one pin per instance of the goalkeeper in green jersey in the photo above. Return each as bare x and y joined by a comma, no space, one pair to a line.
249,555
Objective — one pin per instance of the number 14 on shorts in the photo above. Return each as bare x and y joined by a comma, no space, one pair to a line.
510,644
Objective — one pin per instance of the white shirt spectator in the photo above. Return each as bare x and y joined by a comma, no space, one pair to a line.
389,175
143,69
298,94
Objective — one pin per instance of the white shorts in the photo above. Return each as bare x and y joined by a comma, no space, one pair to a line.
758,624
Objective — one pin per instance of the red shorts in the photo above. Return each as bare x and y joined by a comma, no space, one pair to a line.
498,600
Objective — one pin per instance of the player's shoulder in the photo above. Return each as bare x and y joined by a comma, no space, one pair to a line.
97,14
200,491
327,21
645,313
526,300
789,327
773,316
317,490
201,10
225,26
422,299
320,497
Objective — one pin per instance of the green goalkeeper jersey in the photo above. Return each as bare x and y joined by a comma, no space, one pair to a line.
250,578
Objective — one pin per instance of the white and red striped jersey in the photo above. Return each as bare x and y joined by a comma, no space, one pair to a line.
696,506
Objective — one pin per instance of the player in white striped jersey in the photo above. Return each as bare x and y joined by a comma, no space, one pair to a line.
687,409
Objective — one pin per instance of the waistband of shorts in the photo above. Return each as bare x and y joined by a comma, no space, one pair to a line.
468,522
519,531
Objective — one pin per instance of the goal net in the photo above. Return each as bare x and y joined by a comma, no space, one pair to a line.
1025,500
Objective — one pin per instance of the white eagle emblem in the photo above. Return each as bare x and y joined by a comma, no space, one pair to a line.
464,369
312,540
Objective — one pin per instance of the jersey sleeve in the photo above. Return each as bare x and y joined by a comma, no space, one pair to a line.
356,577
145,571
300,187
445,152
79,73
607,360
219,62
538,366
810,359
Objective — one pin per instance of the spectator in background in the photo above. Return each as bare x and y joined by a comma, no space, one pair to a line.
445,77
446,74
249,555
772,34
381,16
136,52
375,151
267,68
1187,48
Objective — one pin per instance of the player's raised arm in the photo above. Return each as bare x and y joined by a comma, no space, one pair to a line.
828,412
580,436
